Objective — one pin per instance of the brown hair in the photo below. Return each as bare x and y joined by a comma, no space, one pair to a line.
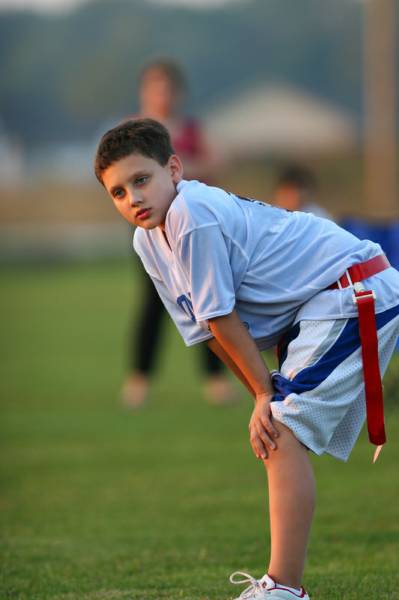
138,136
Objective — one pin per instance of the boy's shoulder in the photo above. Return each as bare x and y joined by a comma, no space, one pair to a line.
191,192
194,206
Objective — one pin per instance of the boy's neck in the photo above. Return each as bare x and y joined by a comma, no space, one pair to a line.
162,225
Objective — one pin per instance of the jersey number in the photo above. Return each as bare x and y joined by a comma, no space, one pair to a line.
185,304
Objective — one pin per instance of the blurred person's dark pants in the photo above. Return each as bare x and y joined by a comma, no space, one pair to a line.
145,335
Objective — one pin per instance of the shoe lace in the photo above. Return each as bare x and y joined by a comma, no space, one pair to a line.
254,586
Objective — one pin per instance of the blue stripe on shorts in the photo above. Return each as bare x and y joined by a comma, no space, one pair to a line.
310,377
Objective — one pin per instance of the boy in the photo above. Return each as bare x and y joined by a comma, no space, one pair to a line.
243,275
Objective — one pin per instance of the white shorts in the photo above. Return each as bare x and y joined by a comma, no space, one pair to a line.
319,388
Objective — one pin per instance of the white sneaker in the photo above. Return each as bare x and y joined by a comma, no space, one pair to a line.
264,589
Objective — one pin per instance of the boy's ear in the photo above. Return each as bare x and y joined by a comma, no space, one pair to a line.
176,168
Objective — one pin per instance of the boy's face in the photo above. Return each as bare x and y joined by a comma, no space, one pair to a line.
141,189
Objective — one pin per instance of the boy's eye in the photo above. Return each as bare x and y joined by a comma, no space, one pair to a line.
118,193
141,180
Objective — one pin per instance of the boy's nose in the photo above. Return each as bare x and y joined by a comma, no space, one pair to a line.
134,199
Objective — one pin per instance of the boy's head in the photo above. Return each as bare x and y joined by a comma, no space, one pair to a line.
139,136
136,164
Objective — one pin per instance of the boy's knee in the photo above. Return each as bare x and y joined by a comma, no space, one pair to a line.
287,445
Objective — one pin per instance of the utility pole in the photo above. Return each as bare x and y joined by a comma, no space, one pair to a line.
380,159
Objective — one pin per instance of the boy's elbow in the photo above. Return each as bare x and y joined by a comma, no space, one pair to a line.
219,323
222,317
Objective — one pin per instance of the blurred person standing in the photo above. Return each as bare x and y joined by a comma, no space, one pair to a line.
162,90
296,189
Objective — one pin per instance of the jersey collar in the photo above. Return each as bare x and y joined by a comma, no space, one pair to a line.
181,185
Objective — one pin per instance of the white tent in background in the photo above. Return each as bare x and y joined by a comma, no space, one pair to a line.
279,119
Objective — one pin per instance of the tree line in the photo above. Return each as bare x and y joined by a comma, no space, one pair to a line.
63,76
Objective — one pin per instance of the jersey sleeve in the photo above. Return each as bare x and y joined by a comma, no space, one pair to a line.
181,310
205,258
182,316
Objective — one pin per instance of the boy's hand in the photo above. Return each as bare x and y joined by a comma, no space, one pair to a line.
262,432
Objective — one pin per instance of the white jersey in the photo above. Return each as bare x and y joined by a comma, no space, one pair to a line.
271,265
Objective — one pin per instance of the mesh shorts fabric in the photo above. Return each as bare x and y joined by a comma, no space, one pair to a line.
319,387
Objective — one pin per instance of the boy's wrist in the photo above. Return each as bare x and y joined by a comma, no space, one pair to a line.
264,396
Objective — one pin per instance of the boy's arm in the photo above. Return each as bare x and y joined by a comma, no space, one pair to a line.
217,349
235,346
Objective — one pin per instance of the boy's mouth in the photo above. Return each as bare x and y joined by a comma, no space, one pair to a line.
143,213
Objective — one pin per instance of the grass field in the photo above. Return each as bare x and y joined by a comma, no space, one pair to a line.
164,503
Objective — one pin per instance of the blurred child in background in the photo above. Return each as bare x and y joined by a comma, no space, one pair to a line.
162,89
296,189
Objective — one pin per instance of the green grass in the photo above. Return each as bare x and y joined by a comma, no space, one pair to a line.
101,504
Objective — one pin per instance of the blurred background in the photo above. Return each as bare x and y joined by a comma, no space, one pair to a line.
271,80
308,85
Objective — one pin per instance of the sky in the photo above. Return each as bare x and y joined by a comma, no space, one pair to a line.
64,5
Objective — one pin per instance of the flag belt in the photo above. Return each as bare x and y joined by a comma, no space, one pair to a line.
364,299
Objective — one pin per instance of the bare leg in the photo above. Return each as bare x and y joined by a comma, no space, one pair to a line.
291,506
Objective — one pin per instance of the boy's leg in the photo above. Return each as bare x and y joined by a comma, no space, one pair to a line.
291,506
